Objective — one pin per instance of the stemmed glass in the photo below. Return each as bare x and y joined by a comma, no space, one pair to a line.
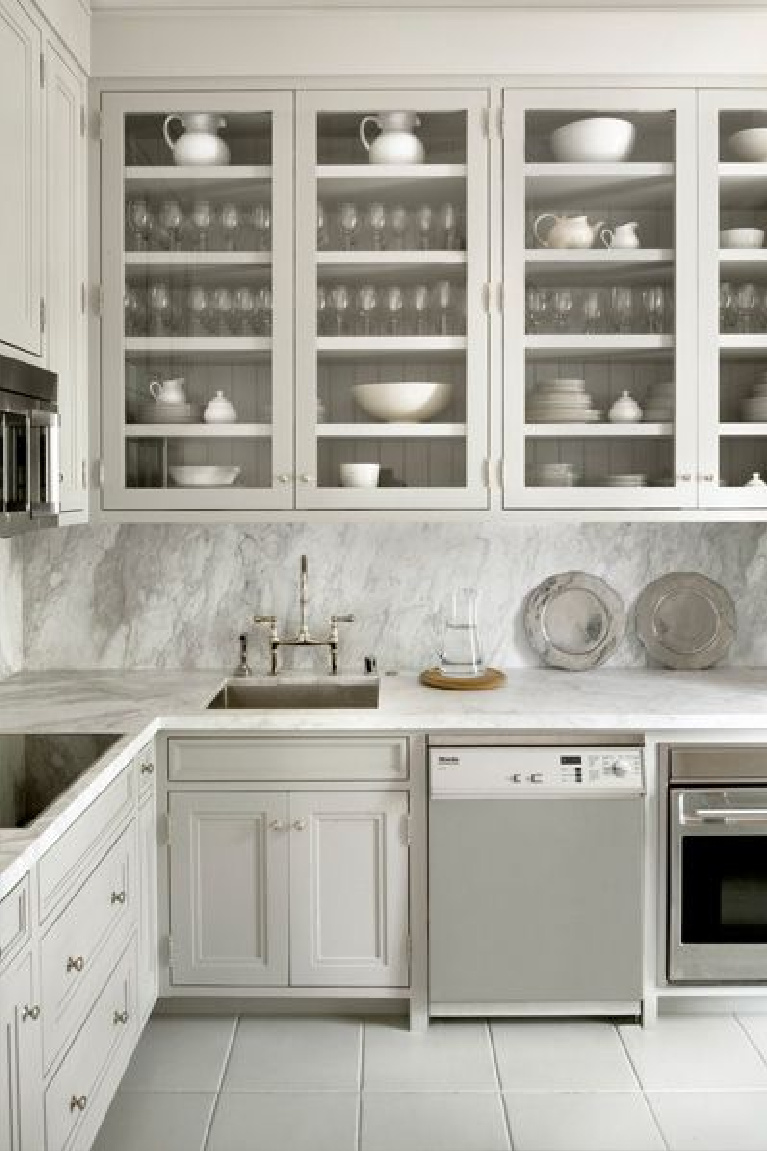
323,232
536,309
171,222
339,302
222,307
746,301
592,311
230,222
621,308
348,222
448,222
135,313
562,307
424,220
199,307
398,226
160,306
377,223
654,304
262,225
394,303
140,222
445,302
367,302
323,305
264,310
244,309
727,319
202,218
420,304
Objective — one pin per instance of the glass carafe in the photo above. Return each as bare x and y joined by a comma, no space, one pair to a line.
461,654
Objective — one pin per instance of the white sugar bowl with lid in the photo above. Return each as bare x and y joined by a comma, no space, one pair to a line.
625,410
220,410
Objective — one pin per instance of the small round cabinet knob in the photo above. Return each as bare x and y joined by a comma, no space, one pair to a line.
32,1013
300,825
147,768
78,1102
283,478
117,897
75,963
120,1017
278,825
306,478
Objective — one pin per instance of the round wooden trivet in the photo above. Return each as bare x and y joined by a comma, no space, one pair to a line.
490,678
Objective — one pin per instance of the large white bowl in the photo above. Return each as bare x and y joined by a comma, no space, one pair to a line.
404,401
741,238
203,475
749,144
599,139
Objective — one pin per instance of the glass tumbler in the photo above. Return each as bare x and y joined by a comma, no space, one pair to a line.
461,654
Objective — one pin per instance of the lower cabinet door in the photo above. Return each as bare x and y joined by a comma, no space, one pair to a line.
349,889
21,1060
147,909
229,888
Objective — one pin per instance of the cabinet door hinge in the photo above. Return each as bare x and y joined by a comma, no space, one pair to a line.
97,300
486,123
500,122
170,950
42,314
100,472
83,121
408,830
409,948
486,292
499,295
83,297
98,125
84,472
42,69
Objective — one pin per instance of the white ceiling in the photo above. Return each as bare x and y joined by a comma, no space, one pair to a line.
222,5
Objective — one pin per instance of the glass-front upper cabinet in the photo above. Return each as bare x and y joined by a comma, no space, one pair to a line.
392,332
197,253
600,299
733,303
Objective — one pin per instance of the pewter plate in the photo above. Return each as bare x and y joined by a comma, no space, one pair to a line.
574,620
685,621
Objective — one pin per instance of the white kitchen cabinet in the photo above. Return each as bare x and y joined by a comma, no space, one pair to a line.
349,889
615,320
21,1058
147,907
66,321
21,178
229,888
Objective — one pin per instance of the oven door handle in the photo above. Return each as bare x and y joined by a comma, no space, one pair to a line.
728,815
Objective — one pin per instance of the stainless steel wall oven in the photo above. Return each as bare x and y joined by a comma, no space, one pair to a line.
29,447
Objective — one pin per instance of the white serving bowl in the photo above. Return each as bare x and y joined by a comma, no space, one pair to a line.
741,238
402,402
749,144
203,475
598,139
359,475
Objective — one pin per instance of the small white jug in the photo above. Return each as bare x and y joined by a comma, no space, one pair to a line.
623,236
199,143
567,231
396,143
168,391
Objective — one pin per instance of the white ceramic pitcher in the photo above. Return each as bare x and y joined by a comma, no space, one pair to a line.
199,142
397,143
567,231
168,391
623,236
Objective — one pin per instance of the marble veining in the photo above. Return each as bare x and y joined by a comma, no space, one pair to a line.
11,606
176,596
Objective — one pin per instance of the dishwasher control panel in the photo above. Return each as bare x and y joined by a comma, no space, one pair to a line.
492,771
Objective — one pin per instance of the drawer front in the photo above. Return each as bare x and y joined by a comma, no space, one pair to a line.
71,950
14,920
73,1092
63,865
237,760
146,769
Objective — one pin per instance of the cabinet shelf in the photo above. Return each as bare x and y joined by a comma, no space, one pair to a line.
751,262
391,258
392,431
197,431
749,345
746,430
351,346
598,431
182,177
211,347
195,260
371,179
589,185
742,185
547,265
597,347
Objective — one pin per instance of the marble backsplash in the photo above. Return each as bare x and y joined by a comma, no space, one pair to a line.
11,606
174,596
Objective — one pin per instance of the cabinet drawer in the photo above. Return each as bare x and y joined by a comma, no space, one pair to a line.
74,944
74,1090
62,866
14,920
316,758
146,767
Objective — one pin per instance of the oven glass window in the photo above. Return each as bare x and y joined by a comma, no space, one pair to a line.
724,889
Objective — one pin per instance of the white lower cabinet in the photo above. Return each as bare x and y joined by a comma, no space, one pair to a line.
289,888
147,906
21,1058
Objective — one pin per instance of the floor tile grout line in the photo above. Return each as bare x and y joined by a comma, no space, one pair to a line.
627,1053
641,1087
749,1037
222,1076
656,1120
502,1100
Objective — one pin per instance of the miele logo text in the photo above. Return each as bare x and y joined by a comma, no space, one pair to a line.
444,760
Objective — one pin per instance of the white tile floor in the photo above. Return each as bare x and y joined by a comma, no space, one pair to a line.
210,1084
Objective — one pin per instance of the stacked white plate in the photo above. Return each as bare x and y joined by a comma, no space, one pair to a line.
563,401
163,412
626,480
555,475
659,408
755,407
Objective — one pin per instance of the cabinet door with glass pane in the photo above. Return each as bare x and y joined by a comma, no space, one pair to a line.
392,333
197,252
600,315
733,299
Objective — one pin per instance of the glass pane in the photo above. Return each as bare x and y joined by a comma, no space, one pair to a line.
724,889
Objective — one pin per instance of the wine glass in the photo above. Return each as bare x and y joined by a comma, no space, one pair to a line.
746,301
444,301
376,216
367,302
140,222
198,305
202,218
727,320
262,225
398,225
264,310
654,304
348,222
420,305
592,311
621,308
339,302
244,309
135,316
562,306
424,220
230,222
448,222
323,305
394,302
171,220
160,306
223,303
323,232
536,309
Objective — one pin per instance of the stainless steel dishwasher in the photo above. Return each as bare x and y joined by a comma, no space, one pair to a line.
535,880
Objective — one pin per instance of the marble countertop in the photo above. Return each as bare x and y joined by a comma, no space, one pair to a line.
136,704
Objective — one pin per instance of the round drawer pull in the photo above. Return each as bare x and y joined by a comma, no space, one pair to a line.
117,897
32,1013
278,825
78,1102
75,963
300,825
120,1017
147,768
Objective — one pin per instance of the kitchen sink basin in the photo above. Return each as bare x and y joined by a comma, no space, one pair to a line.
284,694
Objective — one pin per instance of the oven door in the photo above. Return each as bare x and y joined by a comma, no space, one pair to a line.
15,438
718,885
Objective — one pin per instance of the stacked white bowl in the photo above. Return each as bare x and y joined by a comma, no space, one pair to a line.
555,475
626,480
562,401
659,408
755,407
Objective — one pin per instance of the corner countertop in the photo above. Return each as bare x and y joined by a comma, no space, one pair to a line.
137,704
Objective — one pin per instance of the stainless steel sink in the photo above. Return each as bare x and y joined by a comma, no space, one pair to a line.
282,694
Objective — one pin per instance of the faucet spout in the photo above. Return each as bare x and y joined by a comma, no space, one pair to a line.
303,631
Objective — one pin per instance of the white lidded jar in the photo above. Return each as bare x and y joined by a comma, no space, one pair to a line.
220,410
625,410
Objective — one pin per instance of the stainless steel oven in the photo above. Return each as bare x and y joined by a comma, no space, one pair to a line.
29,447
717,820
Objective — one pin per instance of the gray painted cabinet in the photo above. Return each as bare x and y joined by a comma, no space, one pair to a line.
21,1071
